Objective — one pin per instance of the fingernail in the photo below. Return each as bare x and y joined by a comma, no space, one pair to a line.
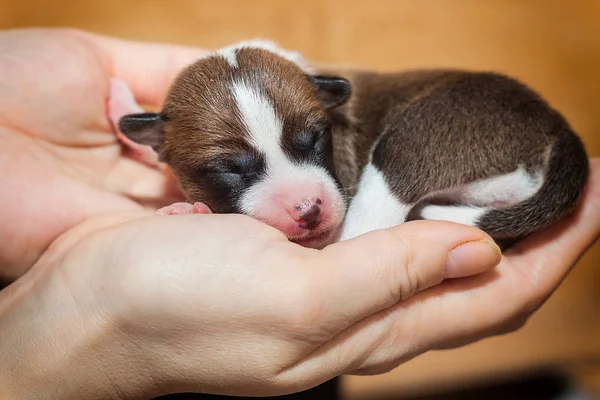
472,258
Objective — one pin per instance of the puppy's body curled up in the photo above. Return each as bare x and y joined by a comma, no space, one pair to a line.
328,155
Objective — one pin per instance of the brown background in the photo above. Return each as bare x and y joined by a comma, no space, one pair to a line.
554,46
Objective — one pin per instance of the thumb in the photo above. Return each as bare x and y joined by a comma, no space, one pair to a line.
362,276
376,270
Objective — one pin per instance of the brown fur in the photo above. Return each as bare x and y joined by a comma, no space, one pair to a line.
441,129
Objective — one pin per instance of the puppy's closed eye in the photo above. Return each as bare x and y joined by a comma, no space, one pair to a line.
234,171
245,164
313,140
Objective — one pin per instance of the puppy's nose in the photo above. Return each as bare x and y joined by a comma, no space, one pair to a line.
311,219
307,213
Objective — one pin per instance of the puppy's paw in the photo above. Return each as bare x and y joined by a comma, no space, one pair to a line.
184,208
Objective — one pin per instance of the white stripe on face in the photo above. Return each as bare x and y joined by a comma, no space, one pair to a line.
284,182
262,123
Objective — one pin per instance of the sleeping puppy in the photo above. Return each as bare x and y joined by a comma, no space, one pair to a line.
328,155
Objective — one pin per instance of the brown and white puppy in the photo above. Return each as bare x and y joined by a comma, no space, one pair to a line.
325,156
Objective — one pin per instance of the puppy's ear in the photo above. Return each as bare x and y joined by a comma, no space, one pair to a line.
332,91
143,128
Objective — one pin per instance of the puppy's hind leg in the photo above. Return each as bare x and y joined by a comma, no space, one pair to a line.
470,203
373,207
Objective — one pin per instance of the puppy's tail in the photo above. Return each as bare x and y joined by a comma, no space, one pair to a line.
564,182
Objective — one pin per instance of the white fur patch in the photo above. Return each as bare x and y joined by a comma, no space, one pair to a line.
505,189
483,195
264,126
373,207
465,215
376,207
229,52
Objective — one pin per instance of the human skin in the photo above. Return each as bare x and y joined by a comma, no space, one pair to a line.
142,305
61,161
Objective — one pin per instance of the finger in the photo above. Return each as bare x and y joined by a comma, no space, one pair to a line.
530,273
142,183
543,258
364,275
410,257
121,102
147,68
462,311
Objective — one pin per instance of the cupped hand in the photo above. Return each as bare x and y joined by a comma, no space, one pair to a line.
225,304
60,160
210,303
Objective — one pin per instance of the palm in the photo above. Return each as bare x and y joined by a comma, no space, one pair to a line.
55,131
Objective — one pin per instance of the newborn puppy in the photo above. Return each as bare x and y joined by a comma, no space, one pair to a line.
325,156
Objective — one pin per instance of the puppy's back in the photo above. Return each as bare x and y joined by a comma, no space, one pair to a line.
478,148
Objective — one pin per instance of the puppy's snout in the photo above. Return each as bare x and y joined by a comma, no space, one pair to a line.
308,213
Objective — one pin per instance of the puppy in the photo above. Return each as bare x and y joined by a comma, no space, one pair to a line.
328,155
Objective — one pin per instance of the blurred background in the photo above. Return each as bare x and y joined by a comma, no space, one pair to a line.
554,46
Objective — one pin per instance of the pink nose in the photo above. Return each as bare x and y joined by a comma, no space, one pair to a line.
307,213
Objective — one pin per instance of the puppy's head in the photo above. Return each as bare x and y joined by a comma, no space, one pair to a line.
246,129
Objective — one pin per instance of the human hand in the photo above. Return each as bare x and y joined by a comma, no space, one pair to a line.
225,304
70,150
60,160
210,303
